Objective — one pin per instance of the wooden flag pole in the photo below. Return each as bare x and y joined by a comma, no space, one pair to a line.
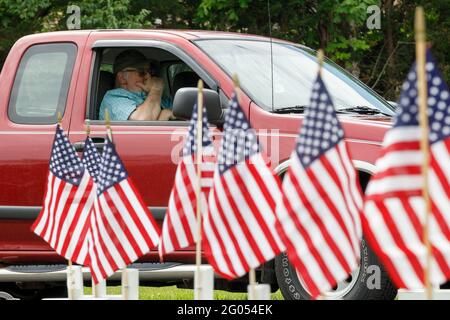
252,277
237,86
70,275
198,248
424,142
124,276
252,290
88,127
320,57
98,290
70,281
59,119
108,125
127,289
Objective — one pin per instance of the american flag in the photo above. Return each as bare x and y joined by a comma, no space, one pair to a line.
68,199
394,210
239,227
92,162
319,211
180,224
122,227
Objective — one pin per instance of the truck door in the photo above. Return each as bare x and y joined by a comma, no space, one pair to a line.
150,150
38,82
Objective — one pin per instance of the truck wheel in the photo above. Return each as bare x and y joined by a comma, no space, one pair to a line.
368,282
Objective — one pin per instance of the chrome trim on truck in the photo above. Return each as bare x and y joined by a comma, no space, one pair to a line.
359,165
177,272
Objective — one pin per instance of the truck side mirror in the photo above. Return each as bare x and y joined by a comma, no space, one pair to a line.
184,101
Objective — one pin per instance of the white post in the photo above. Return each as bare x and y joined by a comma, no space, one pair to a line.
258,291
130,284
204,278
74,282
422,294
99,289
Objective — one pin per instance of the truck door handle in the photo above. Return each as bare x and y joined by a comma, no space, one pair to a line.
98,143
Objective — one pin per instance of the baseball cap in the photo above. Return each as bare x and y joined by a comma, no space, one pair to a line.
130,59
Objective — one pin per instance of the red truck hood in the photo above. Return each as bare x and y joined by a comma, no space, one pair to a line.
368,128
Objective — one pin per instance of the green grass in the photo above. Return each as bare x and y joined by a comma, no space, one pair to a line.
173,293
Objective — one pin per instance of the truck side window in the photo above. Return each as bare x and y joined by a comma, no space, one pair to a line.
181,75
42,83
166,64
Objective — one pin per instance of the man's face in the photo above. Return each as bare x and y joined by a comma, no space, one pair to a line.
132,79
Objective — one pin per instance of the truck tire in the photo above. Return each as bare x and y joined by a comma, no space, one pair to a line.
11,291
369,282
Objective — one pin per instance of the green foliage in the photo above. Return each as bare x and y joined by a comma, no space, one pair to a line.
24,9
112,14
380,58
174,293
336,25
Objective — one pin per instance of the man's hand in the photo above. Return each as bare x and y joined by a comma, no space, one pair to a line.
152,84
166,114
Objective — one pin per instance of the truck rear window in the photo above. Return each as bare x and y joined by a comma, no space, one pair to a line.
42,83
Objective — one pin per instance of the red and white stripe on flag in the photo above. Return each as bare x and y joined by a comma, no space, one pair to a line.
122,227
319,219
68,199
394,210
207,173
319,211
180,224
239,228
64,215
92,162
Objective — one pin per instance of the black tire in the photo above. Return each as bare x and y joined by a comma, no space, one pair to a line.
372,282
11,290
6,296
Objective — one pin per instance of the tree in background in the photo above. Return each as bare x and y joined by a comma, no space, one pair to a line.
380,58
19,18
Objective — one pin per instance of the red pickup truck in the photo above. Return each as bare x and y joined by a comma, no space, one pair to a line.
69,72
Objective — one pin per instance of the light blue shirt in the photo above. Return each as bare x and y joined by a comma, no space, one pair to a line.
121,103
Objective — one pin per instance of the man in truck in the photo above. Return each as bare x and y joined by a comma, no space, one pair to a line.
138,94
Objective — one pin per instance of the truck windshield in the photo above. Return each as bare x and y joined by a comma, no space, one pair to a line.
294,72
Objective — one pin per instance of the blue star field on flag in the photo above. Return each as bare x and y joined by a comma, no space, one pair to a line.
112,169
64,162
240,141
320,130
92,159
